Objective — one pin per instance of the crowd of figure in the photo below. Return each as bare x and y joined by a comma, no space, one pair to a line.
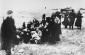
46,31
69,19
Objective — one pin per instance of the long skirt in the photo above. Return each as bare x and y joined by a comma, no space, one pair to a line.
78,22
71,21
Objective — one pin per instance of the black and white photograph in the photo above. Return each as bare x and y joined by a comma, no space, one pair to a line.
42,27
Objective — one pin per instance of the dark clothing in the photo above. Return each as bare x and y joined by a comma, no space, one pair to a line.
43,22
36,23
58,15
65,22
43,19
72,16
78,20
24,26
55,33
8,34
54,16
26,37
28,26
45,35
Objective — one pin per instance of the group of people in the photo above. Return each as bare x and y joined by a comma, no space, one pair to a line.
48,30
69,19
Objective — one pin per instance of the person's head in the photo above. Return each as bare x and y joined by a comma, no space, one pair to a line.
79,11
10,13
72,10
34,19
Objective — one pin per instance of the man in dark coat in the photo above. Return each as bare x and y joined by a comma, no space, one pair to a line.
8,33
79,20
72,16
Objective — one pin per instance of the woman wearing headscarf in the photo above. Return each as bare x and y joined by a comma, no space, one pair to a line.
55,30
78,22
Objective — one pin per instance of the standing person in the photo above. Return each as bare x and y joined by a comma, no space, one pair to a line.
72,16
58,14
65,22
78,22
55,30
8,33
28,26
24,26
43,19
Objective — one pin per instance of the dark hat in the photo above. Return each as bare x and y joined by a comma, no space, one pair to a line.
9,12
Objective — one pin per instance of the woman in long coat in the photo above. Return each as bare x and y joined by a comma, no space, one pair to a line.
55,30
78,22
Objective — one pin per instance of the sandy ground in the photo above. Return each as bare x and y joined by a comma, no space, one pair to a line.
72,43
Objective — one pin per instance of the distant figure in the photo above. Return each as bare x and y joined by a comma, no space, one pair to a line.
43,19
24,26
66,21
78,22
35,22
45,7
8,33
72,16
28,26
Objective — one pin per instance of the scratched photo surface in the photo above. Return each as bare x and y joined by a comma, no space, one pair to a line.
42,27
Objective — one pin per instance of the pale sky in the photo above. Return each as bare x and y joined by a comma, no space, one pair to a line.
19,5
31,5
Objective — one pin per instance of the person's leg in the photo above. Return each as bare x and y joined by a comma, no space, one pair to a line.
8,50
65,26
80,26
72,26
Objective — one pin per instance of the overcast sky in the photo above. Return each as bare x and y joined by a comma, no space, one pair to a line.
29,5
25,5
